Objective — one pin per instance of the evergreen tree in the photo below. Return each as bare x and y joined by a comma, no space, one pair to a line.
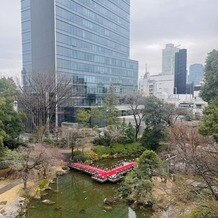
209,126
158,116
83,116
130,133
11,122
209,91
110,110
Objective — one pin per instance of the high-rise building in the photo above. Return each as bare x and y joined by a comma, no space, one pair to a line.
86,40
196,74
168,59
180,72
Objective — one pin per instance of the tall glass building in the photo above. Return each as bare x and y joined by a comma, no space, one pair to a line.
86,40
196,74
180,72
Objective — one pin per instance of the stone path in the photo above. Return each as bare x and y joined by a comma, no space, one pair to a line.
12,210
10,186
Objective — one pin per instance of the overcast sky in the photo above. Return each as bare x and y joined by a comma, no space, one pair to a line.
191,23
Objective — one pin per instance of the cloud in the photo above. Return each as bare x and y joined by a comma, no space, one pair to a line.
192,23
10,38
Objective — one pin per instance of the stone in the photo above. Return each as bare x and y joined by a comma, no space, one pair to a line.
47,201
3,202
110,200
61,173
107,208
48,188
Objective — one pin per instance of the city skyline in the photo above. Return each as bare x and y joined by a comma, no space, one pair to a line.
195,23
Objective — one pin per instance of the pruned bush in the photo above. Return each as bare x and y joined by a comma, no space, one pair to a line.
91,155
79,156
101,150
118,148
134,148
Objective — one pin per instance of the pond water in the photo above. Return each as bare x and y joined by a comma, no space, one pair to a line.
79,196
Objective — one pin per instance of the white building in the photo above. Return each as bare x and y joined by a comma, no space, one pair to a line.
160,86
193,103
168,59
143,86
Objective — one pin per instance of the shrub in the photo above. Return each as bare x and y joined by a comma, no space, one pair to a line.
79,156
91,155
206,210
100,141
104,156
52,142
134,148
3,165
101,150
118,148
13,144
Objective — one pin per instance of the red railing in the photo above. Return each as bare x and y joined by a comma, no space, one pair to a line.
103,175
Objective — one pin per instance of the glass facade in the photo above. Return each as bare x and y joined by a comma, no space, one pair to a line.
92,39
196,74
26,38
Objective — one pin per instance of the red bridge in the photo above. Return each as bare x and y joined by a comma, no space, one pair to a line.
113,175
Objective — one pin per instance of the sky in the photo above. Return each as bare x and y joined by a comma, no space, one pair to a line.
193,24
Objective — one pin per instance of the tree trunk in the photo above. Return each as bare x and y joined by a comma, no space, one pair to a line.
44,172
25,179
72,152
136,132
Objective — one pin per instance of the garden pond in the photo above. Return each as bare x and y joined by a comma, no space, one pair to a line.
79,196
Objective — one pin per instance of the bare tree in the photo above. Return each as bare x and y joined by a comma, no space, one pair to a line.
24,161
49,158
199,154
34,158
136,105
77,137
40,97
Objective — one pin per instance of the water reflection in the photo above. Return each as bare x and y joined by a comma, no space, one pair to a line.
132,213
80,197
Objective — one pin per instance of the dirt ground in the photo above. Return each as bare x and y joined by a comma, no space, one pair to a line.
10,196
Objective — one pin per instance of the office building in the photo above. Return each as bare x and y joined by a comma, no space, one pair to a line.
168,59
157,85
86,40
180,72
196,74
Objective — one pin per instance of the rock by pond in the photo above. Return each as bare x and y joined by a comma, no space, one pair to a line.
47,201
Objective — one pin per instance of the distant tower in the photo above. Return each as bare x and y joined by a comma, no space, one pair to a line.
168,59
180,72
196,74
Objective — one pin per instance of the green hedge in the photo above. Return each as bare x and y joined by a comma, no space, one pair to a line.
102,150
135,148
119,149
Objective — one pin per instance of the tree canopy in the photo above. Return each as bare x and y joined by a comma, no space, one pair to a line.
83,116
158,115
209,91
11,122
209,126
111,112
